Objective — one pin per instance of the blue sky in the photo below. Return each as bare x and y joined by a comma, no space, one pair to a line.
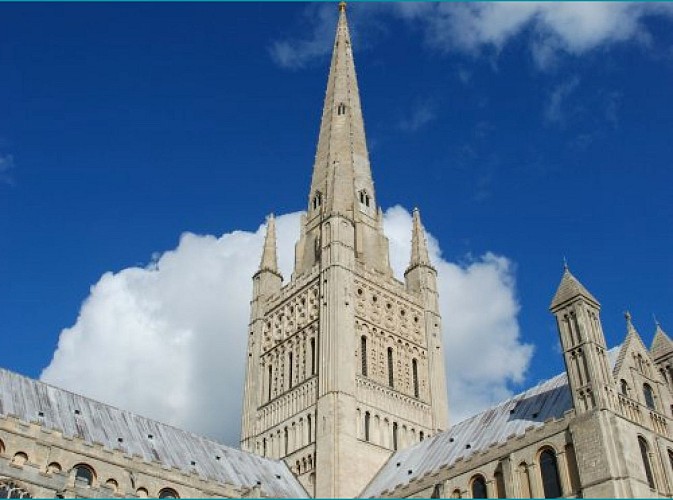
124,125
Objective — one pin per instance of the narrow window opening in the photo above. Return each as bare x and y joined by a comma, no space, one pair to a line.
367,419
649,396
645,455
286,440
289,360
551,484
270,382
391,379
310,433
624,387
395,436
312,356
479,487
363,355
414,369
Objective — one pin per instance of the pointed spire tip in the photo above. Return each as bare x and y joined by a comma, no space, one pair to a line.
342,6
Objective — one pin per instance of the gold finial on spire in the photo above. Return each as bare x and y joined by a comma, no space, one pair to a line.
342,6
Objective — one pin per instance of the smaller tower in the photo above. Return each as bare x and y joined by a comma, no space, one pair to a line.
662,354
421,281
584,350
265,283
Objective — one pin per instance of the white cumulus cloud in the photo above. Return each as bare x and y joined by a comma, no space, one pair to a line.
168,340
551,28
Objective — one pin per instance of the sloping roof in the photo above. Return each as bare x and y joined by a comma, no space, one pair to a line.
95,422
662,344
569,288
548,400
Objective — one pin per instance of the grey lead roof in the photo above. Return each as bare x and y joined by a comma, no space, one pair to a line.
530,409
95,422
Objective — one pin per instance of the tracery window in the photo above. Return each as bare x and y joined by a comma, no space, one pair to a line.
479,487
645,456
10,489
649,396
551,484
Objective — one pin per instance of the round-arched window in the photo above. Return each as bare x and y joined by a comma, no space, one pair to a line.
479,487
168,493
84,475
649,396
551,483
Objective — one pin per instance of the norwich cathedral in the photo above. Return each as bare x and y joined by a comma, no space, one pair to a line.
345,386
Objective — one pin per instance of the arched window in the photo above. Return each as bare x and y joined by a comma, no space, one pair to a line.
478,487
310,430
624,387
312,356
645,456
437,491
341,109
84,475
551,484
168,493
317,200
19,458
391,379
456,493
142,493
367,420
270,382
421,436
112,484
363,355
54,468
264,447
649,396
395,436
289,378
414,373
286,440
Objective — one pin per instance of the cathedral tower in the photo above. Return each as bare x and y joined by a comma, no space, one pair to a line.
345,362
584,350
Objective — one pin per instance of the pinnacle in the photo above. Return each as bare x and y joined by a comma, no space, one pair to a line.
269,261
419,245
569,288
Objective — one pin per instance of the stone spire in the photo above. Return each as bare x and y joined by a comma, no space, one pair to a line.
662,343
568,289
341,170
419,245
269,261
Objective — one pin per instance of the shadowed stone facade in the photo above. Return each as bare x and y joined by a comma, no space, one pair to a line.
345,390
